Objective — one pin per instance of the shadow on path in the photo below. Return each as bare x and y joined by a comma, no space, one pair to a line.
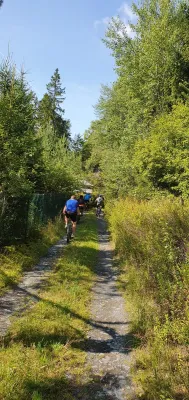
111,340
67,389
86,344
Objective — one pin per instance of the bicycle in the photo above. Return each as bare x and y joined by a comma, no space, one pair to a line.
81,209
98,211
86,205
69,231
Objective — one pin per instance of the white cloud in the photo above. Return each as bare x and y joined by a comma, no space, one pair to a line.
129,31
104,21
126,15
126,11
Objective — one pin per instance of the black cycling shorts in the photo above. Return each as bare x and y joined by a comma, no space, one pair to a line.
72,216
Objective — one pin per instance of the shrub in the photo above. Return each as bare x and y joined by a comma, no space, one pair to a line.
151,238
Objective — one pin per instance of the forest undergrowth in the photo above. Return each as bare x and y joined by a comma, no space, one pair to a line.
151,239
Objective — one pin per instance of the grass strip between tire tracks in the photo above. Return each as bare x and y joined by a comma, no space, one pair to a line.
42,356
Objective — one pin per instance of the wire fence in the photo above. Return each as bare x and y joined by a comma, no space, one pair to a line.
20,216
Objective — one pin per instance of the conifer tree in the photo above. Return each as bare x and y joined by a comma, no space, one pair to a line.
50,107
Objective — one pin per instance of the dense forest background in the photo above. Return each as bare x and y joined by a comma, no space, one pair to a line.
139,142
35,139
40,163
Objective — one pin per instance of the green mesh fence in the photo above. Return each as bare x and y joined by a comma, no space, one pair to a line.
13,219
19,217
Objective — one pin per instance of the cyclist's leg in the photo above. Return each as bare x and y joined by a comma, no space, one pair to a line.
68,229
74,223
81,210
66,219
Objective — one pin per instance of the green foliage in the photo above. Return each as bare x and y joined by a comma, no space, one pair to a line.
50,110
20,163
55,91
77,144
153,72
139,148
81,148
62,166
45,110
34,147
162,158
162,371
152,240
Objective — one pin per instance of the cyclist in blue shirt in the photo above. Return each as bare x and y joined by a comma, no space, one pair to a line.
71,210
87,198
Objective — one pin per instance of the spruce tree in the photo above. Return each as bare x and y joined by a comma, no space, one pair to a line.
56,92
51,110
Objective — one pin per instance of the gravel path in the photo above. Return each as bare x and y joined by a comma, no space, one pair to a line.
17,299
109,344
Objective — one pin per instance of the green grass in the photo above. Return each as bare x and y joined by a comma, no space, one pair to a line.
151,239
14,260
42,356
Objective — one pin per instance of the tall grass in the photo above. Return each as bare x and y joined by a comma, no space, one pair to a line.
152,240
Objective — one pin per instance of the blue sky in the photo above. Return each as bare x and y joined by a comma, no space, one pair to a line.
43,35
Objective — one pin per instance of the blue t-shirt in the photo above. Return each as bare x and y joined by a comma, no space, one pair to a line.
87,196
72,205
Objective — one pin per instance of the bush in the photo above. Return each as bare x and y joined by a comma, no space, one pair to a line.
151,237
161,159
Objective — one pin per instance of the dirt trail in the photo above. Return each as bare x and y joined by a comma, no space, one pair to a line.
17,299
109,343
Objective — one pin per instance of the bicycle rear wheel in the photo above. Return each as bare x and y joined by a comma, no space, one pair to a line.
69,232
68,238
98,212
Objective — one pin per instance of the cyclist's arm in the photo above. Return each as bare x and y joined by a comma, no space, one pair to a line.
64,210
